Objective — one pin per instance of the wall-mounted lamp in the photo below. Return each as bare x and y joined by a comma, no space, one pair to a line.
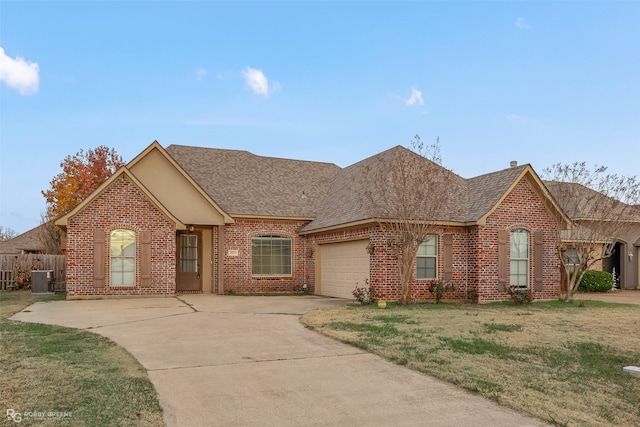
630,256
191,228
371,249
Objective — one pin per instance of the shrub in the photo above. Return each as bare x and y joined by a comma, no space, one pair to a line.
438,290
520,295
596,281
366,294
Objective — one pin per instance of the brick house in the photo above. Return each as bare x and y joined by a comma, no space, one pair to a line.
189,219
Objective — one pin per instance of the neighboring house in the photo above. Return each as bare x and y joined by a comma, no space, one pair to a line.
189,219
29,242
585,205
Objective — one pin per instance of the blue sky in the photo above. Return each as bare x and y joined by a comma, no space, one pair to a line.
536,82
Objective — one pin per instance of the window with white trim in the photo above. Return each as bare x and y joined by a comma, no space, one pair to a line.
519,258
572,260
271,256
123,257
427,259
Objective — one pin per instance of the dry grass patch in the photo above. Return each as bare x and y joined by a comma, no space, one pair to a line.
45,368
559,362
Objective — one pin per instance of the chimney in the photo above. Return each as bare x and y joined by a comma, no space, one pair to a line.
513,163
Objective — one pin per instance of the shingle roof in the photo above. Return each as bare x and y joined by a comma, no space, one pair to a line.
485,191
582,202
469,201
30,241
242,183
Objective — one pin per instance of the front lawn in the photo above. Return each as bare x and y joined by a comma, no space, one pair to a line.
557,361
50,375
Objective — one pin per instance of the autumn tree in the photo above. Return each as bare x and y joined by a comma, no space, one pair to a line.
602,208
81,174
411,195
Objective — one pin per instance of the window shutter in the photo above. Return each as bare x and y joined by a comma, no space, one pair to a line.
503,262
538,268
98,259
145,258
448,256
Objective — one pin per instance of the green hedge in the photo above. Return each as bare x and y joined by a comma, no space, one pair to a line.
596,281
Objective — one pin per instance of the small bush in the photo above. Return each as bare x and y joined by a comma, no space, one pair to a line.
438,290
520,295
366,294
596,281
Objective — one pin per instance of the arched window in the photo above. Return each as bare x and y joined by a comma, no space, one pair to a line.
123,257
519,258
271,256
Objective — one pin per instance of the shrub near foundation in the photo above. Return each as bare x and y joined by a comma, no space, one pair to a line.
596,281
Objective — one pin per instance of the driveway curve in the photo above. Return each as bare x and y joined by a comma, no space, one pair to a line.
248,361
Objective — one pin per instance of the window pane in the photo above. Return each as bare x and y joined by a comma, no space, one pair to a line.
427,258
519,263
189,253
426,268
271,256
519,244
122,248
429,246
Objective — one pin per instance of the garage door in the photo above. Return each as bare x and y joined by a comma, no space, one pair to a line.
342,266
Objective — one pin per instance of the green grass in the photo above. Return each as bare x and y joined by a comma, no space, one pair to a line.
561,362
49,368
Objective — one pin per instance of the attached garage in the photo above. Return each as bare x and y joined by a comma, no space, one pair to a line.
341,267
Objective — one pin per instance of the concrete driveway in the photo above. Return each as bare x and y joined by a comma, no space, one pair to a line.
238,361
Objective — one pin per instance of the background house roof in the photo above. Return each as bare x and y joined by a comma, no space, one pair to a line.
580,202
29,242
243,183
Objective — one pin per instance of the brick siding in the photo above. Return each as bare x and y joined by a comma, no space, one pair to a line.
475,249
121,205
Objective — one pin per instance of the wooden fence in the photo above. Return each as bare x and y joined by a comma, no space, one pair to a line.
11,265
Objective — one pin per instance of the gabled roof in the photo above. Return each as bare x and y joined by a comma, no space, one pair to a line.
583,203
156,181
245,184
29,241
123,171
471,202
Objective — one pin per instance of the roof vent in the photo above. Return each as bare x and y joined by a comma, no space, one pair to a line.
513,163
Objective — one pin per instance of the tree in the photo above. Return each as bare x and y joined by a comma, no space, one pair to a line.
601,208
7,233
410,194
81,174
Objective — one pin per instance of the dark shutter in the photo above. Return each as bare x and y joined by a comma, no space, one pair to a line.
538,268
503,261
98,259
145,258
448,256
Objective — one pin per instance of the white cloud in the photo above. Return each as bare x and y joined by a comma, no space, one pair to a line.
200,73
257,81
19,74
521,25
416,96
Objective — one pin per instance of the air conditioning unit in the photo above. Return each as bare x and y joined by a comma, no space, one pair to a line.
42,281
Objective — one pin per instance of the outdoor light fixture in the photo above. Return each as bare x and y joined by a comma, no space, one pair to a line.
630,256
371,249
